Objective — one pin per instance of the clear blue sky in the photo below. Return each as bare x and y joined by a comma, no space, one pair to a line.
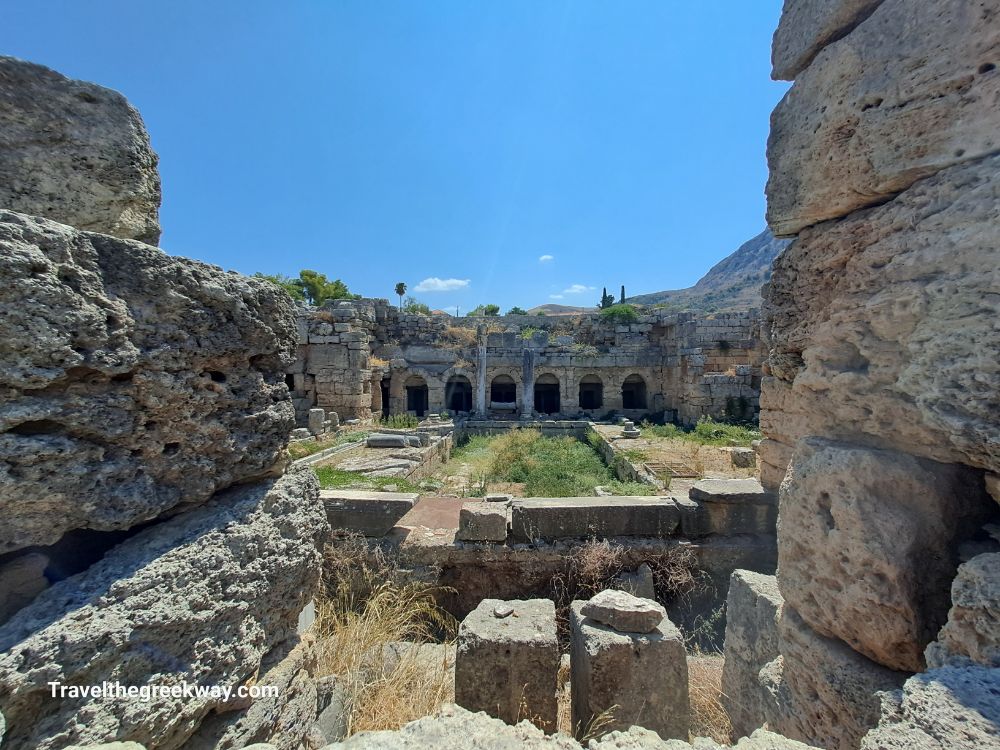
387,141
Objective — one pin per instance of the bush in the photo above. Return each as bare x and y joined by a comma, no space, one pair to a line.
399,421
620,314
706,432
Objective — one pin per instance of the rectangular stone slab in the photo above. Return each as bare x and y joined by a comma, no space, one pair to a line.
568,517
370,513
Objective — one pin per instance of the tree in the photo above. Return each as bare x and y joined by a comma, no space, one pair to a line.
292,286
400,291
515,310
622,300
485,311
413,305
606,299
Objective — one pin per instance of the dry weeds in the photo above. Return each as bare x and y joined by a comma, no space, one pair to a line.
708,717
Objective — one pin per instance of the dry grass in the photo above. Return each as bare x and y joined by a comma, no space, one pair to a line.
708,717
459,337
363,610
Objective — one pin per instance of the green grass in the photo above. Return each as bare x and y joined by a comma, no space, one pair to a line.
547,467
399,421
338,479
302,448
706,432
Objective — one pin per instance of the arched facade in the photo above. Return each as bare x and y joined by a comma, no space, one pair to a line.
634,394
590,393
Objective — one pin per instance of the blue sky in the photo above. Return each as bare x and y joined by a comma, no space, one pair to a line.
517,152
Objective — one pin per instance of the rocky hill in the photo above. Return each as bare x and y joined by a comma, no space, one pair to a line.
556,310
732,284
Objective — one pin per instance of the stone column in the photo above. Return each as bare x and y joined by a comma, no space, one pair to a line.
528,384
481,374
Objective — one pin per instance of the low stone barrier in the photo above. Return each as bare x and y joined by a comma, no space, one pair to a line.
370,513
574,517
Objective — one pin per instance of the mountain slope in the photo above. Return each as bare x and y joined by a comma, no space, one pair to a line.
731,284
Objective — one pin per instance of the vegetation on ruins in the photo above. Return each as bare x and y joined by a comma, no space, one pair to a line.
302,448
515,310
311,286
607,300
546,467
399,421
619,314
331,478
415,306
400,291
485,311
706,432
364,614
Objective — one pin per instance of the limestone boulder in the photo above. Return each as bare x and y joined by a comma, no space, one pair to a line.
753,607
134,382
202,598
883,325
972,633
865,541
807,26
76,153
624,612
827,694
943,709
911,90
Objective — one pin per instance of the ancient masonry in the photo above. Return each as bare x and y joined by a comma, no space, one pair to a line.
881,399
364,357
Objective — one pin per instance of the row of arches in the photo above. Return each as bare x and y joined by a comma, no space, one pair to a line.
502,394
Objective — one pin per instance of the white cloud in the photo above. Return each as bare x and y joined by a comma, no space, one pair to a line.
555,296
578,289
546,258
434,284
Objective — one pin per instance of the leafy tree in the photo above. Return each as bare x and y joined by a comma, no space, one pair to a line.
319,290
400,291
607,300
292,286
485,311
620,314
413,305
515,310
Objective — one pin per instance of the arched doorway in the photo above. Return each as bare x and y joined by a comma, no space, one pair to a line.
503,391
458,394
416,395
591,393
634,392
547,394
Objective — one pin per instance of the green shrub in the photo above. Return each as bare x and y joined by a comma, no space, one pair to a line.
399,421
620,314
331,478
706,432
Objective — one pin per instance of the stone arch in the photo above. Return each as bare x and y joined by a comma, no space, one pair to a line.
417,400
591,392
458,394
547,394
634,395
503,389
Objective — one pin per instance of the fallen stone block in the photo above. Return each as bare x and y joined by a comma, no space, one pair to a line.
507,663
736,506
743,458
753,607
581,517
317,421
482,522
643,674
201,598
385,440
624,612
370,513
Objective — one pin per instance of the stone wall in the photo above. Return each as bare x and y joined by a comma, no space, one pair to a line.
363,356
882,387
148,536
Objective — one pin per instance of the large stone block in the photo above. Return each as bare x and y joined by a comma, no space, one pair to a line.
736,506
865,542
912,90
807,26
370,513
134,381
573,517
752,611
642,678
943,709
827,694
201,598
507,661
972,633
482,522
883,325
76,153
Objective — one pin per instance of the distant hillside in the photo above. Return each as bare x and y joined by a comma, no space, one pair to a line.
555,310
732,284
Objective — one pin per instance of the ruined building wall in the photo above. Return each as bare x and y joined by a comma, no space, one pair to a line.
881,402
363,356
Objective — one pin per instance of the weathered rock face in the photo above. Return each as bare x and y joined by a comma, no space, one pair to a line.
865,542
909,91
76,153
883,325
133,382
806,27
830,692
972,633
943,709
202,598
752,611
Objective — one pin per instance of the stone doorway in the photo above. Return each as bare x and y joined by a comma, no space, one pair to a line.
591,393
503,390
547,394
634,393
416,395
384,389
458,394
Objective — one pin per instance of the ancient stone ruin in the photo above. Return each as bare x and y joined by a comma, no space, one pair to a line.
209,490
